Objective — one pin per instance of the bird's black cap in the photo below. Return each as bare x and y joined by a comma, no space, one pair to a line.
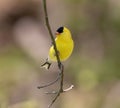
60,29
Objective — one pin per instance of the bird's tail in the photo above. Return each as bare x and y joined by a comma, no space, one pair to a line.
46,65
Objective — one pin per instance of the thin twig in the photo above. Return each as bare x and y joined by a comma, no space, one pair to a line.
51,34
53,101
61,79
56,52
60,65
58,94
53,92
68,89
49,84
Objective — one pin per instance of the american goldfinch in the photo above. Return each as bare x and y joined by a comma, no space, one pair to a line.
64,44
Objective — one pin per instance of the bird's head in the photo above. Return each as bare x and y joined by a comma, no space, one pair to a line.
63,31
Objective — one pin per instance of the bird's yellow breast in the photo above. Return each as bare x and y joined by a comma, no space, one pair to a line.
64,46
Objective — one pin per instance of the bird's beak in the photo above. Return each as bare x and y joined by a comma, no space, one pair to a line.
57,33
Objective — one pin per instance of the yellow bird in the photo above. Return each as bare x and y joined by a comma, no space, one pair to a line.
64,44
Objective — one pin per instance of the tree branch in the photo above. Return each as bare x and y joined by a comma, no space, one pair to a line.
51,34
60,65
49,84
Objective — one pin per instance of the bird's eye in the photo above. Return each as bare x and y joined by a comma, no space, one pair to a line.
60,30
